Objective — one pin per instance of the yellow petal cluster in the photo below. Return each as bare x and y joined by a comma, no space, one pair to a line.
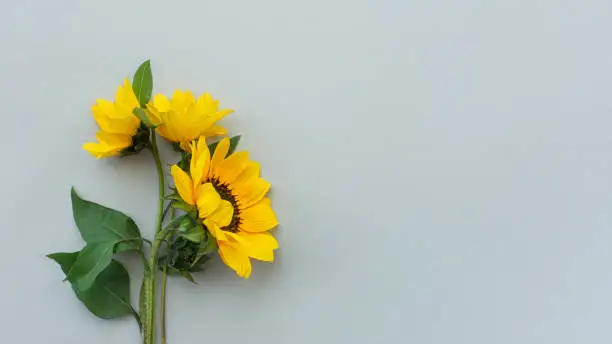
116,121
183,119
230,198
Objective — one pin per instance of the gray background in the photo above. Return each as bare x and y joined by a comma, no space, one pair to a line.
442,169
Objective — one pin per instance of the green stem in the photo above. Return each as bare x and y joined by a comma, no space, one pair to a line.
160,180
163,305
149,284
163,293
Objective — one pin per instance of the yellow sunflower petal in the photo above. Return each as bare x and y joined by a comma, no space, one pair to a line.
215,130
112,121
215,230
208,200
258,218
101,150
114,140
183,184
206,104
153,115
185,146
181,100
189,98
236,259
230,168
222,216
249,193
125,95
260,246
200,161
222,113
161,103
251,171
219,154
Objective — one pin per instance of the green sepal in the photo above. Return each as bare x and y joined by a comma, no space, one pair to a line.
194,234
185,255
173,197
185,161
140,141
186,224
181,205
177,222
208,246
177,147
188,276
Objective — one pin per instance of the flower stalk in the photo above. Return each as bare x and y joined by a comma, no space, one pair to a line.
149,286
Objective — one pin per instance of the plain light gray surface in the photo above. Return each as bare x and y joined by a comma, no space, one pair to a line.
442,169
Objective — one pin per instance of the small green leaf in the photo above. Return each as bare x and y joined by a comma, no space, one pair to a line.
92,260
232,147
99,224
142,116
143,83
109,296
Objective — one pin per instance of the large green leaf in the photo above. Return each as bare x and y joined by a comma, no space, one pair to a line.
143,83
65,260
98,224
109,296
233,144
92,260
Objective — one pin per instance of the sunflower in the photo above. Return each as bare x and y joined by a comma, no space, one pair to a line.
183,119
117,123
230,199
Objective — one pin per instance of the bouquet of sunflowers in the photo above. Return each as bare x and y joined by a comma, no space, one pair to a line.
217,203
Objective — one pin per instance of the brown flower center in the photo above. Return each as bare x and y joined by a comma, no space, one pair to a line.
226,194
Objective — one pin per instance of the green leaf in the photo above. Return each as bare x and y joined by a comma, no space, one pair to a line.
65,260
233,144
109,296
92,260
143,83
140,113
99,224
